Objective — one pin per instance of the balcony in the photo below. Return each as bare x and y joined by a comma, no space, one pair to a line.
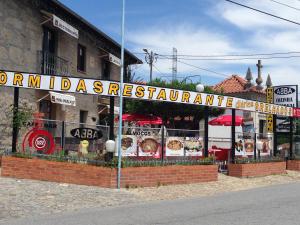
52,64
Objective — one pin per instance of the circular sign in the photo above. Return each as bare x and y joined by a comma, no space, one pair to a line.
39,143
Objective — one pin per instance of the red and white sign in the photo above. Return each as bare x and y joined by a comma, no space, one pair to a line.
296,112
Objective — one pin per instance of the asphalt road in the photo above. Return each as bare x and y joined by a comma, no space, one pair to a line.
270,205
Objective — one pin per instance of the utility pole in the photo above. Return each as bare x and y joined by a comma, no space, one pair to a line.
174,64
150,58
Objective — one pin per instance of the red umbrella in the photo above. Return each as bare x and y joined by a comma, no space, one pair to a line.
226,120
142,119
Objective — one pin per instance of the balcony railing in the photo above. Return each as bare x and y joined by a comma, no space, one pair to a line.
52,64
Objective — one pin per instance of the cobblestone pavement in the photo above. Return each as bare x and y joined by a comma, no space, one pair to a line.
24,198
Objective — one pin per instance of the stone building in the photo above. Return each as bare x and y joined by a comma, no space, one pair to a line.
46,37
247,88
30,42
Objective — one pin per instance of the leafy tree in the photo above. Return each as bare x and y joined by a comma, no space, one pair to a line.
167,110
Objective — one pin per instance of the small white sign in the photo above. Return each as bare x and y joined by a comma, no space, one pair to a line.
57,22
115,60
62,99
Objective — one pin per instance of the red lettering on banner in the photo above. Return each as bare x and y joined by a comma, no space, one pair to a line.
296,112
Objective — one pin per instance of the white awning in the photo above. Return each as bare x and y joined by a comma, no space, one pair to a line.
62,99
116,109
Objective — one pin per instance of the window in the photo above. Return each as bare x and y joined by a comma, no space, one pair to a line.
83,117
81,58
105,70
45,107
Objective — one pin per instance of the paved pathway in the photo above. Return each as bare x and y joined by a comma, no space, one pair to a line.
274,205
26,198
19,198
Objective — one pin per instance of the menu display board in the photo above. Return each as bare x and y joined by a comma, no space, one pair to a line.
128,145
149,146
174,146
264,145
193,146
244,145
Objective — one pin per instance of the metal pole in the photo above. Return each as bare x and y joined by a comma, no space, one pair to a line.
111,117
233,135
254,147
206,131
162,143
15,125
151,65
62,141
121,96
274,135
291,137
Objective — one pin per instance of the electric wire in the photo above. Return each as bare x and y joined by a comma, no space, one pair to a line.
236,55
286,5
263,12
233,59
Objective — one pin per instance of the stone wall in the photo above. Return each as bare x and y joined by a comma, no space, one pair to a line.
21,38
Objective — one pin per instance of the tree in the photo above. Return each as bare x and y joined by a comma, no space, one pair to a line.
167,110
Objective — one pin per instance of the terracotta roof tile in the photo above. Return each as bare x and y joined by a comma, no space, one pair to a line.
235,84
232,84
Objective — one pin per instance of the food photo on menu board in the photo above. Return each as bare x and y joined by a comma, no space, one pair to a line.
193,146
149,146
264,145
174,146
239,148
128,145
249,146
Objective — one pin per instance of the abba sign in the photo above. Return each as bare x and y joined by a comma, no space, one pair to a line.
136,91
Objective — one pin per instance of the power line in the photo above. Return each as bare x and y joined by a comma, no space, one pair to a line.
204,69
263,12
234,59
233,55
200,68
286,5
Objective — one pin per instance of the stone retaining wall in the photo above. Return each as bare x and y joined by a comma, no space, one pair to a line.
256,169
64,172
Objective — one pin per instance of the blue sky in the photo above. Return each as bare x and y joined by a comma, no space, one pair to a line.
201,27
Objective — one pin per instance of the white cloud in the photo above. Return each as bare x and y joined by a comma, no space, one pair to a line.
248,19
264,34
188,39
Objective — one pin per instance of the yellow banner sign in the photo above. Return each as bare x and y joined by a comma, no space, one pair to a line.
136,91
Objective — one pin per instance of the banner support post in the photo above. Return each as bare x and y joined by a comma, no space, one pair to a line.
206,111
291,136
233,135
15,115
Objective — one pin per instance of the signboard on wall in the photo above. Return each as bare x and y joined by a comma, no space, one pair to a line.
64,26
113,59
62,99
270,99
286,95
136,91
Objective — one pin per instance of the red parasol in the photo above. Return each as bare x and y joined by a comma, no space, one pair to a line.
142,119
226,120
